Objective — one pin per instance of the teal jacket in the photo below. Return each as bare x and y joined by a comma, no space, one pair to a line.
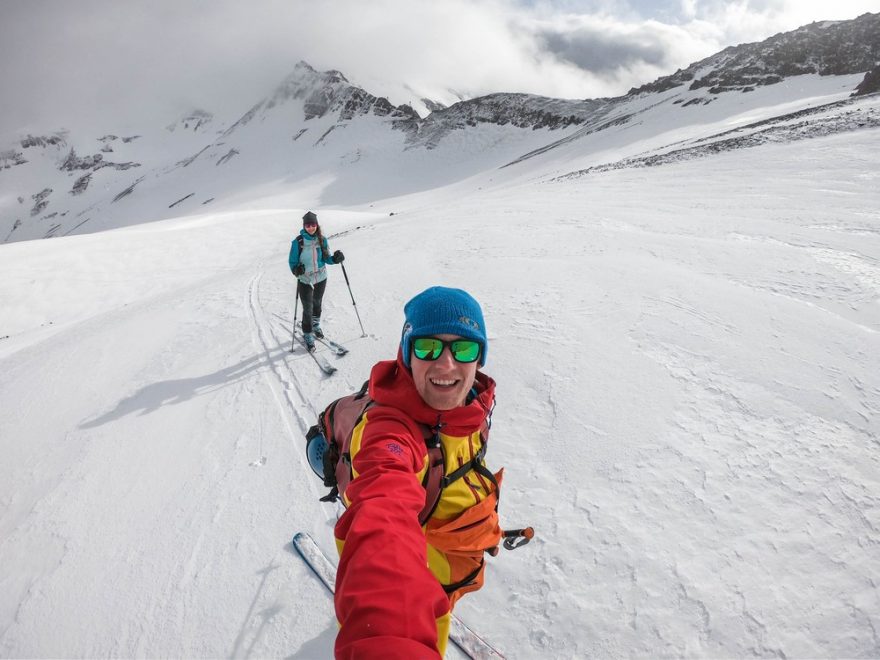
311,257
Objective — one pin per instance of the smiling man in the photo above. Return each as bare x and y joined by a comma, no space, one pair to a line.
404,563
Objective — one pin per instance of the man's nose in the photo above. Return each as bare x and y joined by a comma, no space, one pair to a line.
446,359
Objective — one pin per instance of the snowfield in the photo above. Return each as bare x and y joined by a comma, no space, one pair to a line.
688,367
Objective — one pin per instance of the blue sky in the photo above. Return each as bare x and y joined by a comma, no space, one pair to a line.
100,63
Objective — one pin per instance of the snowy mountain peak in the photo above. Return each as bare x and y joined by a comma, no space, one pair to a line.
323,93
315,121
826,48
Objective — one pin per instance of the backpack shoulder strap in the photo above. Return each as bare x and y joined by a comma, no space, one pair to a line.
354,406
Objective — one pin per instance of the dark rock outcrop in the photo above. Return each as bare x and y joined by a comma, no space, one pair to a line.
42,141
524,111
41,201
95,162
11,158
829,48
74,162
870,83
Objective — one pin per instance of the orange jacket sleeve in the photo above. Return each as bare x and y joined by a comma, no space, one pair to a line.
387,601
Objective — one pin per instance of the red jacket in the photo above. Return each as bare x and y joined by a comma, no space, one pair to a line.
388,603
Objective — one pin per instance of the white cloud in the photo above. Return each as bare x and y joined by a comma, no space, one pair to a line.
78,63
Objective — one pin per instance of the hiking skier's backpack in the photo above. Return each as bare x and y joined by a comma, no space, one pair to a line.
328,449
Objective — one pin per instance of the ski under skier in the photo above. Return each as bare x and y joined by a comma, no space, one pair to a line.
397,582
309,256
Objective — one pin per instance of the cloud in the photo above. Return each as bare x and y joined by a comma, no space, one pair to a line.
106,64
742,21
624,54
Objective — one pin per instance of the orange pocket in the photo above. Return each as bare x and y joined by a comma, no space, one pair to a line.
465,567
474,530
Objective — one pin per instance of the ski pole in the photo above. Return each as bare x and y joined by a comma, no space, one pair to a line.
293,325
363,332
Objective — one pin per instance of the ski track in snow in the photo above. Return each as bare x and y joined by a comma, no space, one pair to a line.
688,405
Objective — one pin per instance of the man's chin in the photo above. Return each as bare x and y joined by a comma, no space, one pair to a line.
445,400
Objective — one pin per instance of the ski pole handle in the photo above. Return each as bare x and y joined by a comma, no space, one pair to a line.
513,539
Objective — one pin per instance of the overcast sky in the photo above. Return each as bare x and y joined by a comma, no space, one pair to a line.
101,64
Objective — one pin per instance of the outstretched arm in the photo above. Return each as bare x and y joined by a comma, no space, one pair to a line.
389,605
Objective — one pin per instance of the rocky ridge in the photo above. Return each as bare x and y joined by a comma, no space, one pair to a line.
826,48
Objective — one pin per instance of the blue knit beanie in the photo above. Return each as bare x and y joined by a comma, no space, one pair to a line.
443,311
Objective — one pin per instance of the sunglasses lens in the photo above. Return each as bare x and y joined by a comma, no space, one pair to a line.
427,348
465,350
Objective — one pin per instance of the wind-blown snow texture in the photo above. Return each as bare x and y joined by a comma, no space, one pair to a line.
688,361
688,403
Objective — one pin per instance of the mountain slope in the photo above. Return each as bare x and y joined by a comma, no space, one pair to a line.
829,48
688,370
318,140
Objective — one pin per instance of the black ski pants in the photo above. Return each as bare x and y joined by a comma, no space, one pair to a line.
311,297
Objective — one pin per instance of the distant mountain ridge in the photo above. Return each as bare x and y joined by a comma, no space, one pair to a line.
828,48
319,123
327,92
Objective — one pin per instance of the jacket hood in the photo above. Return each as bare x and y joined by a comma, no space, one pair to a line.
307,236
391,384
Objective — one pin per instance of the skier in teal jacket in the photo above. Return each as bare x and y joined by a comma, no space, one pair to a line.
309,256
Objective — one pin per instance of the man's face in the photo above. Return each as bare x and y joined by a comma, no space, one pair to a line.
443,383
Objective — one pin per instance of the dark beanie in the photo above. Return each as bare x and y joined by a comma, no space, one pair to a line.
310,217
440,311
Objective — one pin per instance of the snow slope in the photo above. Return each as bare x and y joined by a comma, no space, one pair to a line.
688,362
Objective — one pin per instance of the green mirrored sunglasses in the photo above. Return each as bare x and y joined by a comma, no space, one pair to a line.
431,348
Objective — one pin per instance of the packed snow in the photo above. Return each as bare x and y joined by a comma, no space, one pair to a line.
688,367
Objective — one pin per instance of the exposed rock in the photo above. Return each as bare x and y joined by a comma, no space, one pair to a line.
94,163
81,184
41,201
74,162
15,226
518,110
128,190
870,83
171,206
227,156
10,158
42,141
433,106
186,162
804,124
194,120
328,92
826,48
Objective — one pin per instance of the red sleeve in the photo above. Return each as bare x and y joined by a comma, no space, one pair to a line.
387,601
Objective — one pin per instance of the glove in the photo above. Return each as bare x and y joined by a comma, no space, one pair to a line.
298,270
338,257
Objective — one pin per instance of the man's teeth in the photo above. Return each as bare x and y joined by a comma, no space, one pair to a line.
444,383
